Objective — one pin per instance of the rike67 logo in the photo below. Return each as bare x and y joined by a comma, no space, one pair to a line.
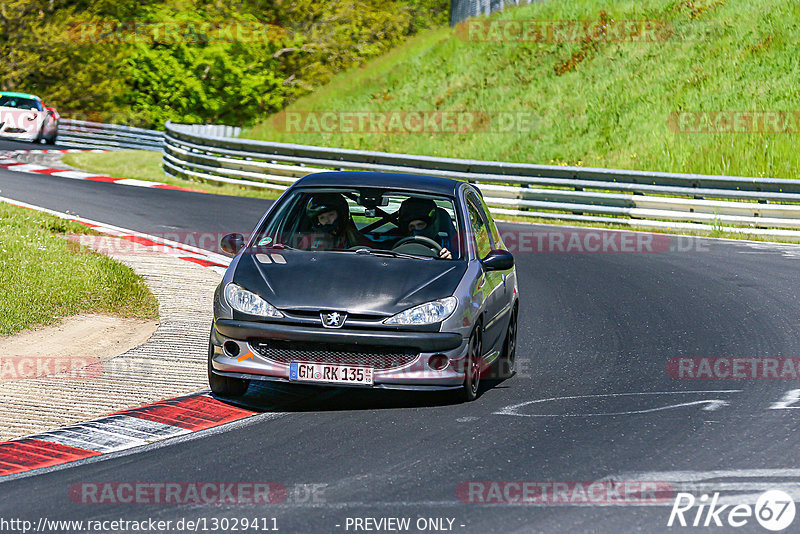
774,510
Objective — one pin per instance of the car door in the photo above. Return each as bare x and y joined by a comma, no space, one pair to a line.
491,282
509,277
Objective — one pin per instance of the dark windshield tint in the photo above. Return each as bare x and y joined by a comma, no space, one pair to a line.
20,103
381,220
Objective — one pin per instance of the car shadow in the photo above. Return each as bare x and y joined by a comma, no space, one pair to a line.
282,397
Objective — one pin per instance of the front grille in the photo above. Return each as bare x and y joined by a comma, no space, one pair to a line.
314,314
365,356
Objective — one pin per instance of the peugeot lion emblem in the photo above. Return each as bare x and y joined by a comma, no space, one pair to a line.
333,319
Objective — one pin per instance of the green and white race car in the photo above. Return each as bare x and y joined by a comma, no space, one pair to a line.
23,116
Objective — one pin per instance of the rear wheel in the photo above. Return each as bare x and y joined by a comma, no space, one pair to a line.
224,385
472,368
507,361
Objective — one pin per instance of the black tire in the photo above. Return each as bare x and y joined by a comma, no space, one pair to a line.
507,363
224,385
50,140
472,380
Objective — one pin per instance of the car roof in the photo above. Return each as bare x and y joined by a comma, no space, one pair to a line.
390,180
19,95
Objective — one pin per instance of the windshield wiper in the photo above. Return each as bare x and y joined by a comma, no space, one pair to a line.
277,246
392,253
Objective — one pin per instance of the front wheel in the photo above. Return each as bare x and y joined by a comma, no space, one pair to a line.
472,367
508,359
224,385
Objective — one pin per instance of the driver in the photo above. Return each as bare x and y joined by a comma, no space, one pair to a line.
418,218
331,225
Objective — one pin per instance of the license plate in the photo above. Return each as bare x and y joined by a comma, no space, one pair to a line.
330,373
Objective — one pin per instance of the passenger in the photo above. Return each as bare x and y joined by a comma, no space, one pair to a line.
332,228
419,217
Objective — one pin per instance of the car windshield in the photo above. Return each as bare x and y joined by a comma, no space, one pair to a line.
366,221
19,102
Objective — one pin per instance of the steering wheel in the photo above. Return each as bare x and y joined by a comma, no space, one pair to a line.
427,241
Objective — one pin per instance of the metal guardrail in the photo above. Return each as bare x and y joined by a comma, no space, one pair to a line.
87,134
461,10
634,198
114,136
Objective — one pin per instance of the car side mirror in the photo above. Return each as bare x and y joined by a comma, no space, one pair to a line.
498,260
232,243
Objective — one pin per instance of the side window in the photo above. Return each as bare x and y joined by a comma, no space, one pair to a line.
498,242
477,227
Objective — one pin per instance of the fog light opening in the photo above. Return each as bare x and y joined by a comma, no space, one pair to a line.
231,348
438,362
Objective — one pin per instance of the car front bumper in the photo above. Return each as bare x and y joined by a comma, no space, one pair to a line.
19,136
414,375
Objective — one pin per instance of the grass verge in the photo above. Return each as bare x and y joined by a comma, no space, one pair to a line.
602,102
46,277
146,165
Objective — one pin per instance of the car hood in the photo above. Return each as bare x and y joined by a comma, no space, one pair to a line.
356,283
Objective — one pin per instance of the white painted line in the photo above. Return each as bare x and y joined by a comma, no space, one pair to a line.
111,434
709,404
26,167
136,427
138,183
789,398
78,175
695,476
748,484
71,437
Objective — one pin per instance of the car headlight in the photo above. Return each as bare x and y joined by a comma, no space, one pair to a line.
428,313
248,302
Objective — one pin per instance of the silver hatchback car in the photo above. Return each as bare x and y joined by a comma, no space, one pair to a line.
370,280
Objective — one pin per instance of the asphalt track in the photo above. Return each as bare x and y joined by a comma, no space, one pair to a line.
596,327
